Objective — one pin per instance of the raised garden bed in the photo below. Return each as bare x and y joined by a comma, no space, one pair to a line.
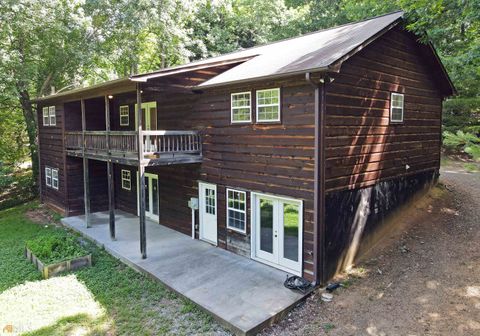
57,252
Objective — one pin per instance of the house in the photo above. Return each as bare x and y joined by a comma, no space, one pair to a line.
290,153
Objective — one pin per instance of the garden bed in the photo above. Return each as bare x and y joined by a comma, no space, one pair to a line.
55,253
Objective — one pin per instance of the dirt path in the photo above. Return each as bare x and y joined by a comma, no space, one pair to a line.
424,280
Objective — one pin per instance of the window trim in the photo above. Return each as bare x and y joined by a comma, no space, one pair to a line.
48,174
249,107
392,94
125,179
52,113
46,115
55,170
244,231
127,115
279,106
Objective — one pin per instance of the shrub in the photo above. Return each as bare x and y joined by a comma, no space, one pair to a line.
461,141
462,114
56,246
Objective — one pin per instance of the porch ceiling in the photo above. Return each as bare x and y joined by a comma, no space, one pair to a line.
241,293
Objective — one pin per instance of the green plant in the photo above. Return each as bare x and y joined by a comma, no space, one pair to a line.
466,142
56,246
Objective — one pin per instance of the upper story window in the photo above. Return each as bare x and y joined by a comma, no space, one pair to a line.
49,116
268,105
126,179
51,177
236,210
396,107
124,115
241,106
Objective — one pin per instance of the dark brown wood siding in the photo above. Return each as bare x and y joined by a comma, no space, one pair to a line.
362,145
51,149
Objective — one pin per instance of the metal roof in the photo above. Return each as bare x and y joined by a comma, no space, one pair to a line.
312,52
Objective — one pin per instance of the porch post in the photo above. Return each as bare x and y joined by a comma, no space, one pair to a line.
111,205
86,185
141,176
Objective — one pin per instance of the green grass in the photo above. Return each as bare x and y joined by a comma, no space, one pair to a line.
131,303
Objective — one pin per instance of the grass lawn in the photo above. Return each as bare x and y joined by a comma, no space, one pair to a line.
106,299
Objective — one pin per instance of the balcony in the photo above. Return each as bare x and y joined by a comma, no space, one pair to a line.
159,147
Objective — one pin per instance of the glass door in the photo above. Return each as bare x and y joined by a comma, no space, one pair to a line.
278,231
151,197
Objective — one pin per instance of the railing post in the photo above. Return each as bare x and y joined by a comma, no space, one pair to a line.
86,184
141,176
111,205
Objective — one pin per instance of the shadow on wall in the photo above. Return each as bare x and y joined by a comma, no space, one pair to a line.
358,219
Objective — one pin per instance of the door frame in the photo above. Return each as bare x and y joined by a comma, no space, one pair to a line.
149,175
201,201
253,237
147,106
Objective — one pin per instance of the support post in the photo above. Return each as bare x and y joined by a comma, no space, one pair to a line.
111,204
141,176
86,184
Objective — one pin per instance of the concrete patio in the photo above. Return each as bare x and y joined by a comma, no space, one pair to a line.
242,294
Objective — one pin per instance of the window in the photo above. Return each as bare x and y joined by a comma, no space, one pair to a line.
210,201
46,119
126,180
55,179
124,115
53,117
241,107
268,105
396,107
48,176
236,210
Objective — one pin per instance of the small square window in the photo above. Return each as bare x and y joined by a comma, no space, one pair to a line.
46,119
48,176
126,180
241,107
236,210
396,107
53,117
55,179
268,105
124,115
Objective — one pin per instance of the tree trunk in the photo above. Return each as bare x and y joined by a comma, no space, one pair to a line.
30,121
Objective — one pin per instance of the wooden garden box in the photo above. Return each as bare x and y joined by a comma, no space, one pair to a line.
53,269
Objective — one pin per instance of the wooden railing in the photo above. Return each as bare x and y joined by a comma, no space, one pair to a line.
154,142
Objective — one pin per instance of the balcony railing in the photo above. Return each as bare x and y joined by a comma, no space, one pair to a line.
155,143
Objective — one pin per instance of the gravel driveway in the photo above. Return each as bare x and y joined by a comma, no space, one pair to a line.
423,279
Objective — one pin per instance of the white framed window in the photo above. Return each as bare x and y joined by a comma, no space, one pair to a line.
210,205
48,176
55,178
124,115
126,180
396,107
52,116
268,105
241,107
237,210
46,118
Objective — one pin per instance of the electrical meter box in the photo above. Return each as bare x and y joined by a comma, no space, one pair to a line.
193,203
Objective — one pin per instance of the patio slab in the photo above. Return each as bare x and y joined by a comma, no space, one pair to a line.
242,294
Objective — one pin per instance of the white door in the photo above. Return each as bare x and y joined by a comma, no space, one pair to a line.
152,196
149,123
277,232
208,212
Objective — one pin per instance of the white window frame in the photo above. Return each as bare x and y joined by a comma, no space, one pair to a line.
48,175
244,231
267,105
52,116
55,183
127,177
393,94
232,108
122,110
46,116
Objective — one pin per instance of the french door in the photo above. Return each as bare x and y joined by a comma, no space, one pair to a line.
149,123
208,212
152,203
277,238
